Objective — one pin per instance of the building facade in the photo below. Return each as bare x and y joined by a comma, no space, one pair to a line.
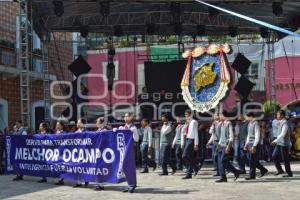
60,55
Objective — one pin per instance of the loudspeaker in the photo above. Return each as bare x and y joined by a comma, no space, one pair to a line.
244,87
241,64
79,66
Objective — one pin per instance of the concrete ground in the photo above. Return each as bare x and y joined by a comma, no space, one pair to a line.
152,186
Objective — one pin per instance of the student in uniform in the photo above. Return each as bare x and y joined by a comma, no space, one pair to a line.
100,124
146,146
201,153
81,127
178,142
215,131
191,145
43,128
128,119
59,129
166,139
224,149
282,145
19,129
242,155
253,146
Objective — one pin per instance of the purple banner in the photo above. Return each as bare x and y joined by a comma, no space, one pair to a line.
90,156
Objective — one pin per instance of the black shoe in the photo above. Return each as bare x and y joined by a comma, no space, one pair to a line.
196,170
263,173
154,167
86,184
287,175
278,173
217,174
144,171
163,174
77,186
131,189
221,180
99,188
236,176
18,178
173,171
60,183
187,177
249,178
42,180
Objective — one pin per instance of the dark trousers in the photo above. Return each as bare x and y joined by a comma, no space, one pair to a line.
282,153
254,161
241,156
145,160
166,158
224,163
215,157
189,157
178,153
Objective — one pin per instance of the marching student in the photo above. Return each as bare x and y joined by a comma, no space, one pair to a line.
243,133
224,149
201,153
19,129
128,119
166,139
192,141
282,142
81,127
253,146
146,146
215,131
43,128
178,143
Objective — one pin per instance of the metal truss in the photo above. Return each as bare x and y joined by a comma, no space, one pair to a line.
25,30
271,66
137,21
46,81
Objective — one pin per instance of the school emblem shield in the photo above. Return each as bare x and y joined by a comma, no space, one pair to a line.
206,78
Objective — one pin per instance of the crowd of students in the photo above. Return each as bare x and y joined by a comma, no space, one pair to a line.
183,145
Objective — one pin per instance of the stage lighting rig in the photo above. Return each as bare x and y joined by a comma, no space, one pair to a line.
104,8
200,30
232,31
277,8
84,31
58,8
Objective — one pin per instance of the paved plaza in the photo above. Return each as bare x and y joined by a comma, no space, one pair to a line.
152,186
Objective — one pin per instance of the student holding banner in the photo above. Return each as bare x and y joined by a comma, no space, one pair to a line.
81,123
43,128
19,129
128,119
60,128
100,124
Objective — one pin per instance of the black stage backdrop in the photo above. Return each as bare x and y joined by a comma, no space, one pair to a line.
164,75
